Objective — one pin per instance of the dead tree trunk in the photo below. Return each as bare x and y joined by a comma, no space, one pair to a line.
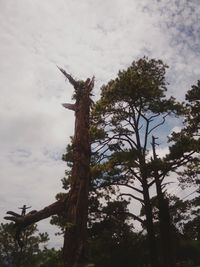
75,205
74,251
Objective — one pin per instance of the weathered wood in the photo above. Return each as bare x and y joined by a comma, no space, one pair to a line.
22,221
74,250
69,106
75,205
69,77
36,216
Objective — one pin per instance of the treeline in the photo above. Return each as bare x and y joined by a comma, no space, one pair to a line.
130,126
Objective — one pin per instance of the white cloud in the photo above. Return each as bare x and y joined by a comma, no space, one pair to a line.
87,38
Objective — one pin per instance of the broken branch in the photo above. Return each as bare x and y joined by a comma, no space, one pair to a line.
35,216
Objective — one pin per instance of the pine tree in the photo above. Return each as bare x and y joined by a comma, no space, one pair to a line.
28,255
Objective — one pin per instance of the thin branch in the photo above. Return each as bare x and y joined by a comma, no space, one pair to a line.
177,164
159,124
132,187
130,124
135,217
131,110
121,184
146,136
136,176
100,146
102,156
172,168
131,140
167,183
136,129
129,214
151,183
154,116
139,111
132,196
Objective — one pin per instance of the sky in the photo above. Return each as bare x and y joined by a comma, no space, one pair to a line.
86,38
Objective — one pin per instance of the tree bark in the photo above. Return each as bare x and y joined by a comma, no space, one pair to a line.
166,233
34,216
148,213
75,205
74,250
166,238
149,226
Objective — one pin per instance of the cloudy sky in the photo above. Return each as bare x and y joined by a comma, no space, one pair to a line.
87,38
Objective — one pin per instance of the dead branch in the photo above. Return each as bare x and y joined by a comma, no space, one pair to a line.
35,216
69,106
69,77
21,222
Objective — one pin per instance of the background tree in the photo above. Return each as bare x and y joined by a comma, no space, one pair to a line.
112,239
186,220
189,138
51,258
29,255
132,108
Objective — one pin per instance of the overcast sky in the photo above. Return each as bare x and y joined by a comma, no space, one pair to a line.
87,38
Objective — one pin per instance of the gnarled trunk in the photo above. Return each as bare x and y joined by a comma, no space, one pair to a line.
74,250
75,204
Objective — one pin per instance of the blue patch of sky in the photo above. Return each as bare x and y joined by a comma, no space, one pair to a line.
186,28
187,37
180,19
161,132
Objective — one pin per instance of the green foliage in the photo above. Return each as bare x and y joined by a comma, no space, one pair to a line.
191,229
132,108
187,141
12,255
96,134
140,85
130,83
193,109
189,251
112,241
183,144
50,258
